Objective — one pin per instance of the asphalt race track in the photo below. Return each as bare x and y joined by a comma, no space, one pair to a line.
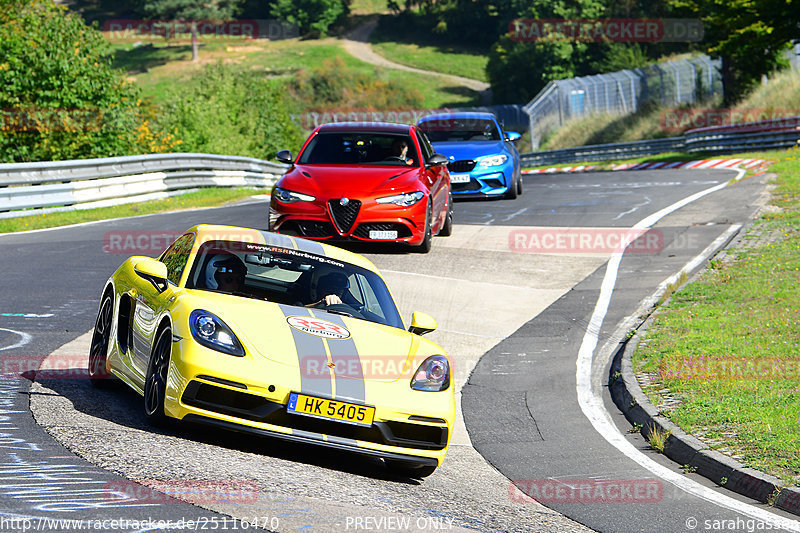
514,293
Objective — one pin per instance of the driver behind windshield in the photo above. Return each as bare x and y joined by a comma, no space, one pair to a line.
225,273
333,289
400,151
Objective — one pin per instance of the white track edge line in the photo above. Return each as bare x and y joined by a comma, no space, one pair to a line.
591,402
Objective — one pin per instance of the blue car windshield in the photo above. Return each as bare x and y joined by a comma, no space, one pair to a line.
292,277
460,129
344,148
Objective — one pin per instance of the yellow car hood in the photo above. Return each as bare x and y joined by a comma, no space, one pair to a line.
319,343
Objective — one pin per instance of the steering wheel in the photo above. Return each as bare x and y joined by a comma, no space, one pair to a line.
394,158
344,309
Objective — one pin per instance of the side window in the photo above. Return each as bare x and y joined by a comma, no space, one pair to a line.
177,256
427,149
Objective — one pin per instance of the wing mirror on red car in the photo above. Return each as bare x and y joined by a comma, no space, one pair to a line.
284,156
437,160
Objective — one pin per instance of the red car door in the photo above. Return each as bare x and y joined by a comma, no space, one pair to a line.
438,180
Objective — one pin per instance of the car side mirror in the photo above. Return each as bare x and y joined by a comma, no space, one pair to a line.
437,160
153,271
421,323
512,136
284,156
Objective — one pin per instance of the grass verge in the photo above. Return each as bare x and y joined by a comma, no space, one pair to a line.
210,197
726,345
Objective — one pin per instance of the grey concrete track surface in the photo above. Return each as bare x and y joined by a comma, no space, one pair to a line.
480,292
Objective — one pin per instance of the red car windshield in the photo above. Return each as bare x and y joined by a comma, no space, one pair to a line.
360,149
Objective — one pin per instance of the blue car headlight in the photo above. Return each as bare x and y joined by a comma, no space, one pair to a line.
433,375
287,197
492,160
210,331
404,200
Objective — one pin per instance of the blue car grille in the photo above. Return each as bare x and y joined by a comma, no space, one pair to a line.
464,165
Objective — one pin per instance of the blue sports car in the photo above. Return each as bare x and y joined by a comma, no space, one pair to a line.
483,159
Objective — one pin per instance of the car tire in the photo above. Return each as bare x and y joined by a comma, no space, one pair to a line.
98,349
519,184
406,469
425,246
511,193
447,228
155,383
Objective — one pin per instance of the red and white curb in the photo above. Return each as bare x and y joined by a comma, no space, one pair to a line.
758,165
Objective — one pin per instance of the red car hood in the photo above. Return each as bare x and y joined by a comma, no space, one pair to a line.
337,181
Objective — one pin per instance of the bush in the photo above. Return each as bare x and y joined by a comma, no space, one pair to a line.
334,84
59,96
224,110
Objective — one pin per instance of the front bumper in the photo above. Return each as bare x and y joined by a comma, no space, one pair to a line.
483,184
318,222
212,388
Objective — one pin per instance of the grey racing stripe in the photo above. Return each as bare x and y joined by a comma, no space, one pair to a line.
349,374
309,347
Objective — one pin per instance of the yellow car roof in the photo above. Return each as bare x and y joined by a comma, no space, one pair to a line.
209,232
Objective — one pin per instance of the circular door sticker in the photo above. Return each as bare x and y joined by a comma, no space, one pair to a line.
318,327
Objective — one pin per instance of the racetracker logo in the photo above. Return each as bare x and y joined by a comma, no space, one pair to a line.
228,30
198,492
45,367
606,30
586,490
711,368
138,242
585,240
680,120
379,367
50,119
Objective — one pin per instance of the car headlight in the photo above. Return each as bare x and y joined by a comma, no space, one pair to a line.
492,160
210,331
287,197
432,375
405,200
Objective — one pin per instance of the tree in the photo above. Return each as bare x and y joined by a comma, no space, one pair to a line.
313,17
59,96
224,110
192,11
750,36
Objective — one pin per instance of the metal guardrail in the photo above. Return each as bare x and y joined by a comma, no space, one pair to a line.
763,135
89,183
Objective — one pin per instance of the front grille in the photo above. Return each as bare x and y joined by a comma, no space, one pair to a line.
258,409
307,228
494,184
472,185
344,215
464,165
363,229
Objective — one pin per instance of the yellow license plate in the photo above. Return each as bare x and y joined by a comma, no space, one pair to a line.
350,413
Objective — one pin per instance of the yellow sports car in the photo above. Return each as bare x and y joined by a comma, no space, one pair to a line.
279,336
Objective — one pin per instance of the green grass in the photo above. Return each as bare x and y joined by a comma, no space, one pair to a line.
403,42
727,344
158,66
203,198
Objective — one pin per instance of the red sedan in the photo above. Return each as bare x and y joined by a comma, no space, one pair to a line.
365,182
